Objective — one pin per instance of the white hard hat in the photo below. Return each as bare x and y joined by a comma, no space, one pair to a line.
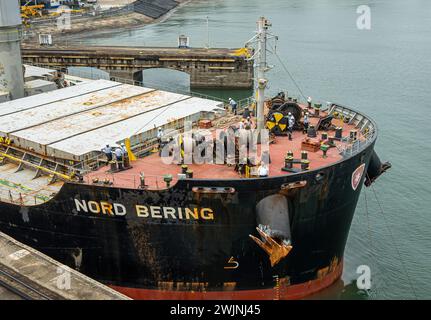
289,114
230,99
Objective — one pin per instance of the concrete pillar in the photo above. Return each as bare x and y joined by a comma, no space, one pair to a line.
123,74
11,68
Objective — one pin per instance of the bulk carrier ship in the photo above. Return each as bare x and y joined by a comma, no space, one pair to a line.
154,230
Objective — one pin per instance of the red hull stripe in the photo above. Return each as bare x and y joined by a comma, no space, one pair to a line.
297,291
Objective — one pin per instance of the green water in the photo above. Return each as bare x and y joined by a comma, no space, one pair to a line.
384,72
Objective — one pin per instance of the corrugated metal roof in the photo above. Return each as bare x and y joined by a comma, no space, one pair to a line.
50,97
82,122
97,139
48,113
77,121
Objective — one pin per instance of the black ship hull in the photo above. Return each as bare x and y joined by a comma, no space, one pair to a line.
199,248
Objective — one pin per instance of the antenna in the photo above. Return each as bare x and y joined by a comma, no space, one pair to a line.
208,33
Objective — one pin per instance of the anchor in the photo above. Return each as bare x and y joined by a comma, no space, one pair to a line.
275,250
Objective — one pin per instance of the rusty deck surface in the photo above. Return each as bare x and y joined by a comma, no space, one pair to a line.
154,168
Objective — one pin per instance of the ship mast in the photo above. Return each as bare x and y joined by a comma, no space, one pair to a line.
260,67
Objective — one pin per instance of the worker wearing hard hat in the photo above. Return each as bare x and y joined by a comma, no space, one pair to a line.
309,101
233,105
291,123
119,157
306,122
108,152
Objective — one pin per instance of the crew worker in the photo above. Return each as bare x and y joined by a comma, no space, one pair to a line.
159,135
309,101
108,152
123,148
247,113
119,157
306,122
233,105
291,123
262,170
241,125
248,124
125,156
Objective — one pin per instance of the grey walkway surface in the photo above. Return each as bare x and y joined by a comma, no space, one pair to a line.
28,274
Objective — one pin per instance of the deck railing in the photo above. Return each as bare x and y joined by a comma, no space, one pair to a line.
21,198
128,181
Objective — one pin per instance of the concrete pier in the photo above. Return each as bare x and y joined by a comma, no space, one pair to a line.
208,68
28,274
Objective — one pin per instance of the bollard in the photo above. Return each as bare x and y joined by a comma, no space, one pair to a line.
168,179
311,132
120,164
317,107
305,164
126,162
142,180
304,155
189,174
353,135
184,169
324,148
324,136
113,165
331,142
288,162
339,133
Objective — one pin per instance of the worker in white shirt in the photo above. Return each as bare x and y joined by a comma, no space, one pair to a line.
125,156
263,170
119,157
233,105
123,148
241,125
108,152
309,101
159,135
291,123
306,122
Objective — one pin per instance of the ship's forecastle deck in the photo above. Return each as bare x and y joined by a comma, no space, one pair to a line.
154,168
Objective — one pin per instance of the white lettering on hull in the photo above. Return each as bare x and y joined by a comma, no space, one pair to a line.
142,211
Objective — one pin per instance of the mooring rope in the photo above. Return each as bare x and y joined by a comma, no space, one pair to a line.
395,243
373,255
289,74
